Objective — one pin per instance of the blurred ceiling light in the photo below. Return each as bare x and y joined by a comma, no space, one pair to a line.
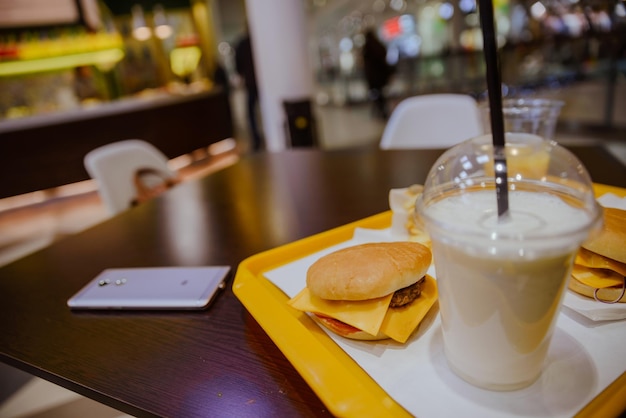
573,23
379,6
620,10
412,45
446,11
467,6
503,24
369,20
346,62
471,39
345,45
397,5
472,20
357,14
428,12
163,32
141,31
406,23
224,48
466,39
538,10
161,28
359,40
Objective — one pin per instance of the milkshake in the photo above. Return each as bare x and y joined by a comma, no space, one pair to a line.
502,280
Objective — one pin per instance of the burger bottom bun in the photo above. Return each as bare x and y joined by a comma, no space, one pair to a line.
609,294
346,330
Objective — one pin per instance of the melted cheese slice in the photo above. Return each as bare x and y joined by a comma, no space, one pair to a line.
399,323
373,316
597,278
366,315
590,259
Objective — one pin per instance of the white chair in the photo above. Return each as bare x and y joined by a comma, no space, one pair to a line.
115,167
432,121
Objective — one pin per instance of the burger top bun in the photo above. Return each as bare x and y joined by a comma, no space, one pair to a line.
610,241
368,271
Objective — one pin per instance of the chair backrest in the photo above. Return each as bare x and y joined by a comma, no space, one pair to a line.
114,166
432,121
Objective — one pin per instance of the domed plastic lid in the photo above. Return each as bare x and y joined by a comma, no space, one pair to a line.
533,165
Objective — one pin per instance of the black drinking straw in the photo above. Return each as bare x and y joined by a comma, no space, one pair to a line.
494,89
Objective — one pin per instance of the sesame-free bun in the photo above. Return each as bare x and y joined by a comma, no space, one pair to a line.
610,242
368,271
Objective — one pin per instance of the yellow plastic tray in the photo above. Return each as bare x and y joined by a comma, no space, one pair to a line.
342,385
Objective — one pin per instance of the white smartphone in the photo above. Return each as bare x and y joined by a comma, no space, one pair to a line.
152,288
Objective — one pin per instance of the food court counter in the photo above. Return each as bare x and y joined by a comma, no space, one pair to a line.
46,151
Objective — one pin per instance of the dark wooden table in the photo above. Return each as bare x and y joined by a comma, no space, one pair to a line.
217,362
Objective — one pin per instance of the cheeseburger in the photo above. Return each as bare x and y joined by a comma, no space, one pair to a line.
600,265
370,291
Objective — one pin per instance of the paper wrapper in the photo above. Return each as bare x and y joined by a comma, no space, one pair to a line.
594,310
405,224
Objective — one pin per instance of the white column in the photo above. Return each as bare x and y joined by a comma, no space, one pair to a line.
278,30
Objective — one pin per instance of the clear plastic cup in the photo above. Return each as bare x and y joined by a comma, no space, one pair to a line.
502,279
532,116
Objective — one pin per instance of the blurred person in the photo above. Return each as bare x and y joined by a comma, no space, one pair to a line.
244,63
220,78
377,71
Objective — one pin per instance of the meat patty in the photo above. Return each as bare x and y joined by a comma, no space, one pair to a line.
407,295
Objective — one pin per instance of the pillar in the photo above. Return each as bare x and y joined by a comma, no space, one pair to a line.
279,34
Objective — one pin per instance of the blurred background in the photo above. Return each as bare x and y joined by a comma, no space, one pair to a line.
62,55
